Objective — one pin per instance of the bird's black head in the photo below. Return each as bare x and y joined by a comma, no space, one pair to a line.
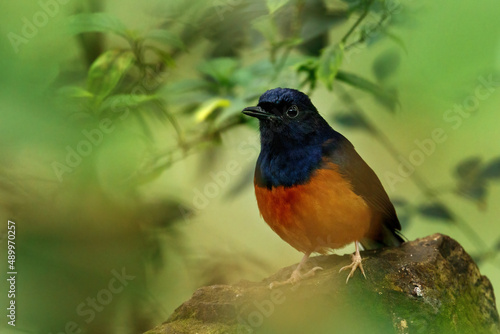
287,116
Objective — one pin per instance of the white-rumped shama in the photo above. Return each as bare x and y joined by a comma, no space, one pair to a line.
312,187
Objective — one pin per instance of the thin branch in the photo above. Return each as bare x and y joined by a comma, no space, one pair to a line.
189,147
173,120
358,21
295,32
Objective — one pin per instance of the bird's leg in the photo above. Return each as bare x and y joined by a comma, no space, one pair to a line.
356,262
296,275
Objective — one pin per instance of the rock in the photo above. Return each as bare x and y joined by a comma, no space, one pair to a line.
430,285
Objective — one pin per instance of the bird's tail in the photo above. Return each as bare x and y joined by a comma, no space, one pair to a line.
386,238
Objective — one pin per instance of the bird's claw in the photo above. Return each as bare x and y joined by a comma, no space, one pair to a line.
356,262
294,278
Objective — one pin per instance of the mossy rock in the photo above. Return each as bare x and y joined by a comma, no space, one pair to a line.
429,285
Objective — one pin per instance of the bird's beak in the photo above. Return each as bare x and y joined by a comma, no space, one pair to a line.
258,112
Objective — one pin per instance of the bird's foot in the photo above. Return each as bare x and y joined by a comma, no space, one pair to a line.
295,277
356,262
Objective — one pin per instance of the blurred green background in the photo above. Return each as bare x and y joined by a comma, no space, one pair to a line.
125,153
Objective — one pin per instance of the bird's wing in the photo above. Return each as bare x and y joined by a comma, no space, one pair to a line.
364,181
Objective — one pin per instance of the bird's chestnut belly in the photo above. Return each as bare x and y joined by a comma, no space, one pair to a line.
322,214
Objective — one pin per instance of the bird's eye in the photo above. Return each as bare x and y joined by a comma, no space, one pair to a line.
293,111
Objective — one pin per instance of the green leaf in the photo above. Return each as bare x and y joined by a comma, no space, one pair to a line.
354,5
121,101
74,92
436,211
232,113
166,37
209,107
220,69
399,201
107,71
308,66
386,64
267,27
352,121
404,220
96,22
274,5
329,63
475,190
497,245
492,170
468,168
164,56
387,98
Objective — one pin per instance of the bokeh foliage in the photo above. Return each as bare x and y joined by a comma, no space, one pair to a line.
148,95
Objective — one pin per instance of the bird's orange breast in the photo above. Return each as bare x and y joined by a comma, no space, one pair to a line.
322,214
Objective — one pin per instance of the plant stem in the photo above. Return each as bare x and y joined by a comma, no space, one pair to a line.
358,21
171,118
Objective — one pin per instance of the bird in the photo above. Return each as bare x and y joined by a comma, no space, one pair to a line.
312,188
